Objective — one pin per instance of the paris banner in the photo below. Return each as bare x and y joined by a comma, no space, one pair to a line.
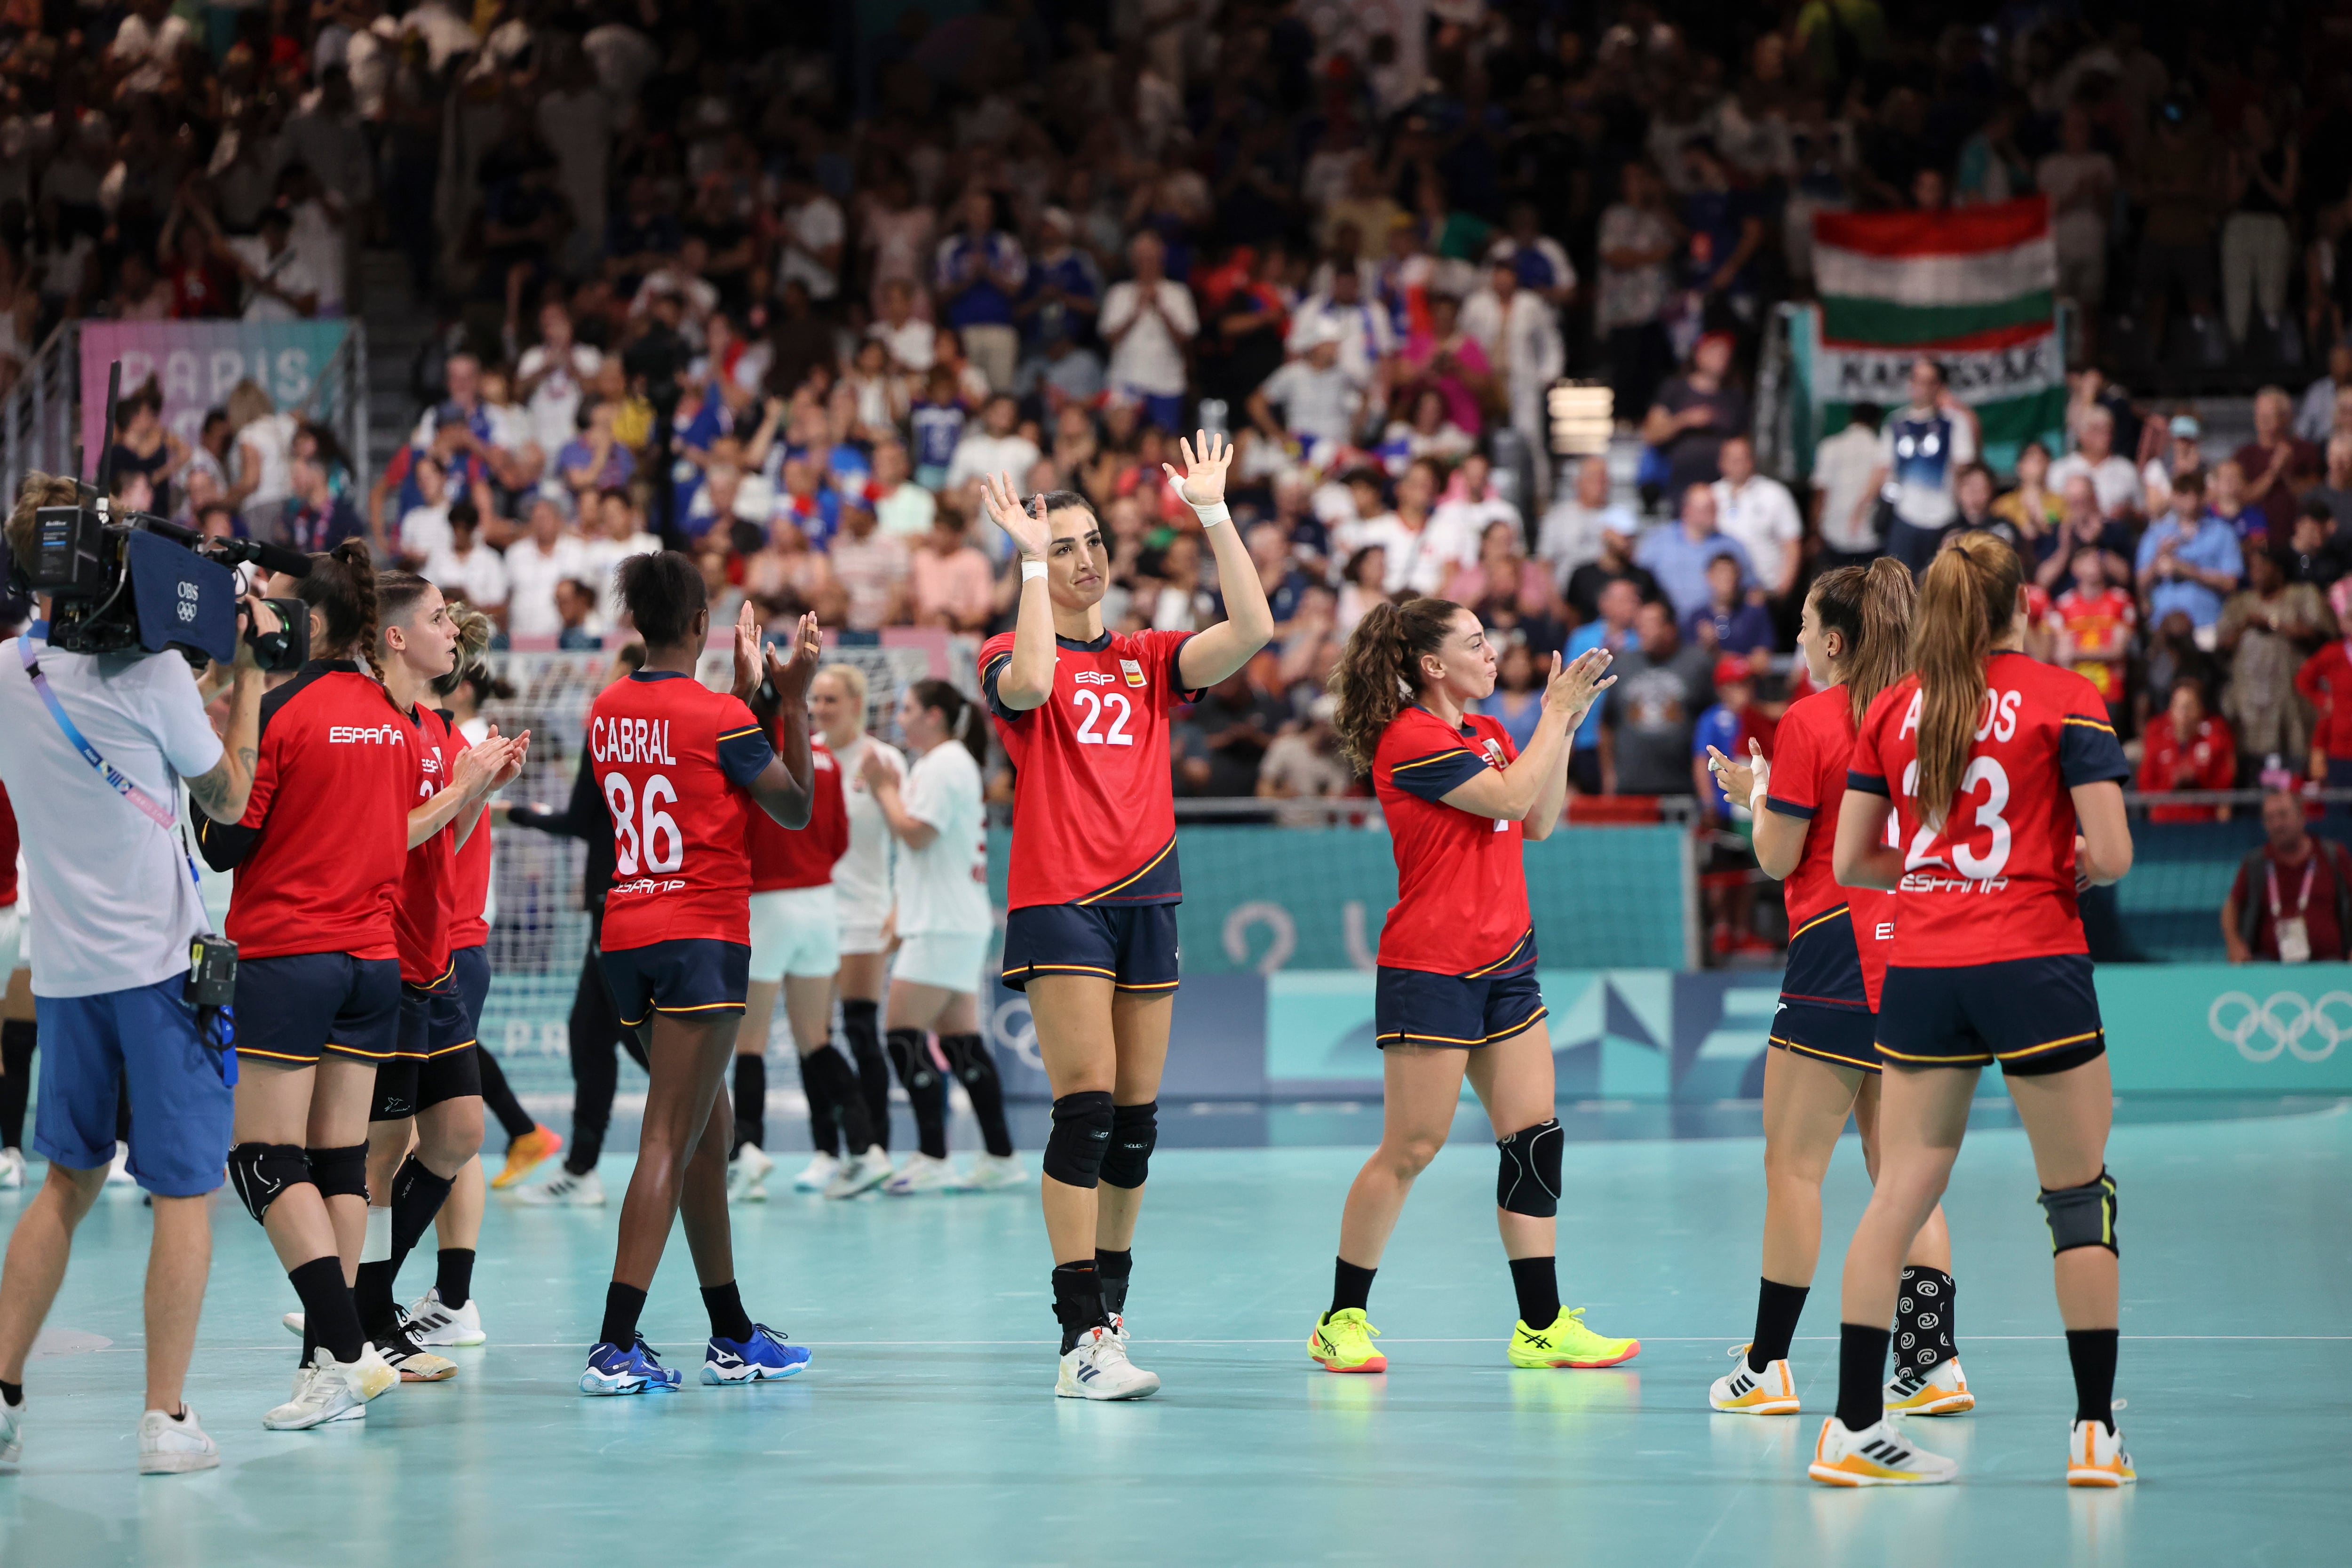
198,364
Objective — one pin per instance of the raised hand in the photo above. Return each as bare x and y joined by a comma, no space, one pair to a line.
878,774
1206,458
791,675
1574,686
747,653
1739,779
1030,533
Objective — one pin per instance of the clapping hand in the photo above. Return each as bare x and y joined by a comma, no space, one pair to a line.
1574,686
792,676
1203,482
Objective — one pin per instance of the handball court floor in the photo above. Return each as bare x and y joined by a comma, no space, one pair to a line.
925,1431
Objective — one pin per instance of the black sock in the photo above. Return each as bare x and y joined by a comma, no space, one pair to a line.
1777,1308
728,1319
1923,1320
18,1037
975,1067
12,1394
454,1279
1114,1269
1350,1287
927,1091
418,1196
1077,1301
499,1096
329,1320
826,1074
861,1025
751,1101
2092,1351
621,1305
1861,1374
1536,1280
371,1295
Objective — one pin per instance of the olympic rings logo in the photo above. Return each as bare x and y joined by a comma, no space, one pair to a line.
2285,1018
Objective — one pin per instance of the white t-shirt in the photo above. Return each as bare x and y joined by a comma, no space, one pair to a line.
1841,468
861,878
286,269
979,453
1149,359
1318,403
944,886
914,342
118,905
1419,561
272,439
1762,516
809,228
479,576
424,531
2114,479
600,561
531,576
555,400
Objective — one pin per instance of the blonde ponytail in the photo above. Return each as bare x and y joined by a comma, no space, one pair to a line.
1966,606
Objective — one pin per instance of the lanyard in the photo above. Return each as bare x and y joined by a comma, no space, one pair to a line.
162,816
2302,899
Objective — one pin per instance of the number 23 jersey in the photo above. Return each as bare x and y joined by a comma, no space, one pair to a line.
1094,808
673,760
1997,880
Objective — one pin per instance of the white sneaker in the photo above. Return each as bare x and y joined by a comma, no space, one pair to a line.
922,1173
12,1433
169,1448
1943,1392
1744,1391
329,1391
2095,1457
747,1175
295,1323
564,1190
1878,1456
118,1173
992,1172
820,1170
435,1325
12,1168
1097,1368
862,1174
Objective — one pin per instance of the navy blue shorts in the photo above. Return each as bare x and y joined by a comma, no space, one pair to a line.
180,1108
1133,946
2031,1014
1846,1036
435,1060
689,975
1412,1007
470,973
291,1009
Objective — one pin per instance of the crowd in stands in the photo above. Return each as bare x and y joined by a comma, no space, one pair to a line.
708,276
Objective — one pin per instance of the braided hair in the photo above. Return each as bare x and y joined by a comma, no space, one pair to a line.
341,588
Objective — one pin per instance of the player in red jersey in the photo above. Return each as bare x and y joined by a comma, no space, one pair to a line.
680,766
1457,993
1090,931
796,943
1821,1064
2000,781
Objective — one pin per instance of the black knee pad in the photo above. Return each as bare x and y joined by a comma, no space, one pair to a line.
262,1171
1081,1135
1134,1131
2082,1217
339,1172
1529,1182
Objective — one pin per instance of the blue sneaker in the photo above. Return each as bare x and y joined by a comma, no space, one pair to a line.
637,1370
762,1356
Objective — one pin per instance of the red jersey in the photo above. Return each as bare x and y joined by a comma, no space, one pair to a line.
321,848
7,855
674,760
1815,745
469,882
2092,620
1094,805
2205,759
420,920
783,858
2326,682
1462,885
1996,881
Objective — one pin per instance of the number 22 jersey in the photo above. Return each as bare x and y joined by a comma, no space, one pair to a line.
674,760
1094,807
1996,880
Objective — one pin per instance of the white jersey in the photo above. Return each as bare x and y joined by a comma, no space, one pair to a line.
861,878
943,887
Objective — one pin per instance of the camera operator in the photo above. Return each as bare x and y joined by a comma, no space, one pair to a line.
118,907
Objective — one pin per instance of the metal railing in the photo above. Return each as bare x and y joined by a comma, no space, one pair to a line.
40,423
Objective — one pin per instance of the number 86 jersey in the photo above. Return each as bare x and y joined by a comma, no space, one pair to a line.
1996,879
673,760
1094,809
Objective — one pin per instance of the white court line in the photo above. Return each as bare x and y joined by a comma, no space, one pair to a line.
1487,1340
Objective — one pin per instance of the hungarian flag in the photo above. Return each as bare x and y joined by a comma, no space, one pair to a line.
1973,289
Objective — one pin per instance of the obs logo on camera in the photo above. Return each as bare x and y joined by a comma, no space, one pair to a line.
2309,1030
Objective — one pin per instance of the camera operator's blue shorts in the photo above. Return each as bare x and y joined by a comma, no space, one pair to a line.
180,1108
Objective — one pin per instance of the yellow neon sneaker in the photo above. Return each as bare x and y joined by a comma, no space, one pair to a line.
1566,1341
1943,1392
1878,1456
1342,1341
526,1153
2095,1457
1746,1392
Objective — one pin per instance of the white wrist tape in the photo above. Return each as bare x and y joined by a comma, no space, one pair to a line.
1032,570
1763,787
1212,514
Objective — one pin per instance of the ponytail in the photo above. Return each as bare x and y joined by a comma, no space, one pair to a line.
960,714
474,629
1967,604
1379,669
342,589
1871,608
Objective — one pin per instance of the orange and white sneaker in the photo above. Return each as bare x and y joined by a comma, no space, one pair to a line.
1943,1392
1878,1456
2095,1457
1744,1391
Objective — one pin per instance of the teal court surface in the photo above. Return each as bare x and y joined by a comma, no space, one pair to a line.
925,1431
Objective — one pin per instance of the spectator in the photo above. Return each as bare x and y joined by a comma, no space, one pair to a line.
2188,562
1639,236
810,236
2185,455
1519,331
1277,573
996,448
263,485
1619,602
1364,332
2092,627
1148,319
1677,553
2083,526
1728,622
2267,631
1587,584
2278,467
616,534
2187,748
594,460
978,276
1845,493
2314,417
2081,183
2115,479
2291,901
1758,510
2313,553
949,582
1572,529
1322,407
937,420
575,605
467,569
2333,492
871,567
424,527
1517,701
320,519
547,554
1695,414
912,342
1363,583
2257,246
1419,554
1721,728
787,577
279,285
2324,681
1064,289
2227,503
1662,687
552,376
903,507
1920,452
1472,503
2032,507
1237,723
2176,182
1307,763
